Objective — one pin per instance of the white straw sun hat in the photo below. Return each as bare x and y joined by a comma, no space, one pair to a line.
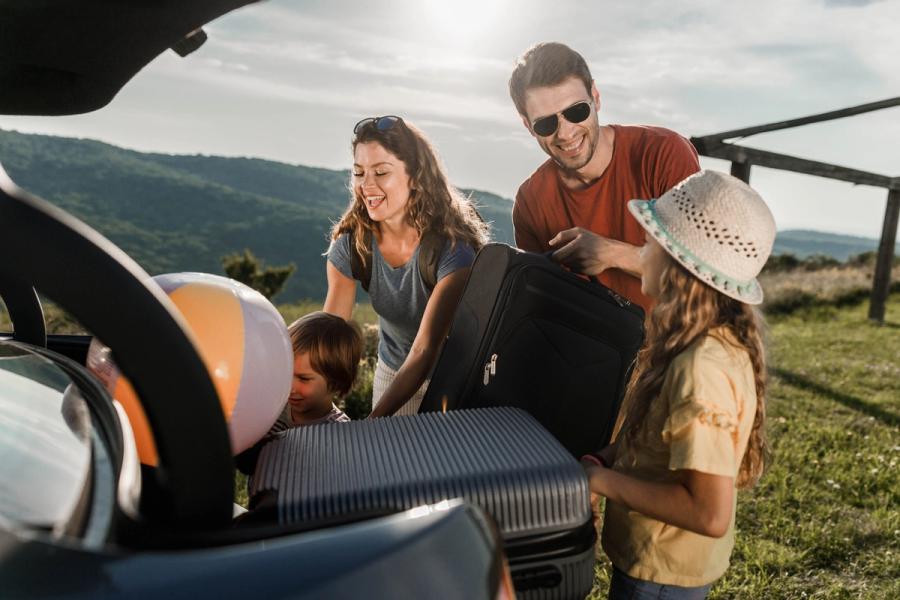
717,227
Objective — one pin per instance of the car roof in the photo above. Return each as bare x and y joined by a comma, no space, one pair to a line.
61,58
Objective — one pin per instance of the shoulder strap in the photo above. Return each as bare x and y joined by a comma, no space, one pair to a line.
361,266
430,247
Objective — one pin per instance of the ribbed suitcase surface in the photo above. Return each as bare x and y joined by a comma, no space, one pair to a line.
500,459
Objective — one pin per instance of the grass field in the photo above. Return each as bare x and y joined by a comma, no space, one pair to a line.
824,522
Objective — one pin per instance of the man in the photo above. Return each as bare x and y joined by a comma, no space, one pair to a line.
575,203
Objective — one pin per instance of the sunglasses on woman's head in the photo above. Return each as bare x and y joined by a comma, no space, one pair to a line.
380,123
576,113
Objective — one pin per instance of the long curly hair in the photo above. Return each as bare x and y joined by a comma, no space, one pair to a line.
434,205
686,310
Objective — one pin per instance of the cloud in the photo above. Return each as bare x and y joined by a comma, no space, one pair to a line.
855,3
697,66
376,96
283,34
432,124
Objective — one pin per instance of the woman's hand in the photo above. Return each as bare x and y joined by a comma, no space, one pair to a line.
425,348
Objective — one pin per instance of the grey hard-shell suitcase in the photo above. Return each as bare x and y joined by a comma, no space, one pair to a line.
500,459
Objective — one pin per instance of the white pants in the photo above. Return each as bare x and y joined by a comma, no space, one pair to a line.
384,375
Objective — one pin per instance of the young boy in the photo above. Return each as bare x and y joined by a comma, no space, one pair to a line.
327,351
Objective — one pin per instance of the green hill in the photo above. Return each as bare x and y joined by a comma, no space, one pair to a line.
803,243
180,213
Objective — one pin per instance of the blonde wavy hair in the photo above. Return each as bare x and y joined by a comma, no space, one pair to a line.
434,205
686,310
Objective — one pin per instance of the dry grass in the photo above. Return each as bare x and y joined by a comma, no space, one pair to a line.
787,291
827,283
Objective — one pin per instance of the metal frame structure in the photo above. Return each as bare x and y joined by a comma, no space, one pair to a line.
743,158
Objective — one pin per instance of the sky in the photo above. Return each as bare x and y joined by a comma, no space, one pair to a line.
286,80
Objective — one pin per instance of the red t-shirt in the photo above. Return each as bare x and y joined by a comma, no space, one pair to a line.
646,162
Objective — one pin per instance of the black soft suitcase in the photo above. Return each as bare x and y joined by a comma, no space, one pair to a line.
500,459
529,334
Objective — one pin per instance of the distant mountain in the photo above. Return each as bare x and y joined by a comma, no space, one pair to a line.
179,213
802,243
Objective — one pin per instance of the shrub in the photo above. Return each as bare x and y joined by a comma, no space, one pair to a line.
251,271
778,263
358,403
864,259
789,300
817,262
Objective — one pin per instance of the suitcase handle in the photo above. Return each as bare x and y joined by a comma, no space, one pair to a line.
620,300
549,255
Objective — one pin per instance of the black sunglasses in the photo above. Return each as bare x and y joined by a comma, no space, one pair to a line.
380,123
576,113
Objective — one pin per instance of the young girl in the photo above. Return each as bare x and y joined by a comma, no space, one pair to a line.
401,197
693,428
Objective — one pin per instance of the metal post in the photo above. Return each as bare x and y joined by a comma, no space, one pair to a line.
741,170
882,280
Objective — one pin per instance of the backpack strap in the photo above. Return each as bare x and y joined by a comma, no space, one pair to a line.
361,266
430,247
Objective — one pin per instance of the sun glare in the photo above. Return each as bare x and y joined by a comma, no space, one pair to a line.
465,19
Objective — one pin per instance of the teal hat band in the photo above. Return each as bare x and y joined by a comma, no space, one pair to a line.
651,221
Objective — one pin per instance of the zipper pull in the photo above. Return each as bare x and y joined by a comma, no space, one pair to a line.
490,368
619,299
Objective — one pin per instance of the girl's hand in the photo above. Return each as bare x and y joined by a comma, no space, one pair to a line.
593,465
589,467
596,474
608,455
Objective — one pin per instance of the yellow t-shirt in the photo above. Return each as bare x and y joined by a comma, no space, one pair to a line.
701,421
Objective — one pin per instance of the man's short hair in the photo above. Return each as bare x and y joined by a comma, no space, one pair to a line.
334,347
543,65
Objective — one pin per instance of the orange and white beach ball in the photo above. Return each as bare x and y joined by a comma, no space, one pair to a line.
244,343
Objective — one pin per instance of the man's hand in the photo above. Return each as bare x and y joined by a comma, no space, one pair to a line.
591,254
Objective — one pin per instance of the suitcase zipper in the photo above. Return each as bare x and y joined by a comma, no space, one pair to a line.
490,369
490,337
619,299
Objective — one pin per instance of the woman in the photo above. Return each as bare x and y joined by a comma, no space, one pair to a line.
400,197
